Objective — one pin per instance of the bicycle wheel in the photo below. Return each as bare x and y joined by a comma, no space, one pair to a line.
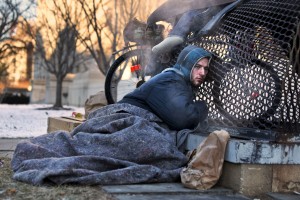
252,92
125,74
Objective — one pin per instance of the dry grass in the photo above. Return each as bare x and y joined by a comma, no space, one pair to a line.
10,189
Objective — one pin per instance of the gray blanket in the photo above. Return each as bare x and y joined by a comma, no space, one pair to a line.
118,144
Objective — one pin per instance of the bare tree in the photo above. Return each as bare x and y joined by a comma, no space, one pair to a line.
105,21
12,14
3,71
57,44
104,25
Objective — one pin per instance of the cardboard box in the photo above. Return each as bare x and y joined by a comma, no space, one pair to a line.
62,123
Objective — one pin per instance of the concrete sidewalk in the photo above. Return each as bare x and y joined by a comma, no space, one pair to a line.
8,145
170,191
162,191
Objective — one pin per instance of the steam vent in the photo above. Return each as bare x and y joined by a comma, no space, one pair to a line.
253,92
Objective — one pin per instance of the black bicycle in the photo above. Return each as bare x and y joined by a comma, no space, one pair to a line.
241,80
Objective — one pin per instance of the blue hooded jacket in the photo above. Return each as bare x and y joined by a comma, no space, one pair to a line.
170,95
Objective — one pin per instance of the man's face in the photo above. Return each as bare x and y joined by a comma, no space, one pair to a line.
199,72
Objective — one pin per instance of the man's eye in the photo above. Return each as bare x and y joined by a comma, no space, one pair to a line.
199,67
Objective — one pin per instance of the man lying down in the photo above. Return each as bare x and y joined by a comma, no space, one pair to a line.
140,139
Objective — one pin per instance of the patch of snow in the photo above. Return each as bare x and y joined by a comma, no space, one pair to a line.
23,121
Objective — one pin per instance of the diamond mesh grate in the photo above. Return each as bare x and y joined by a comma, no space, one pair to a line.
255,74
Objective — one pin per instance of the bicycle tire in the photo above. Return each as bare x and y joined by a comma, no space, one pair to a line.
261,104
116,84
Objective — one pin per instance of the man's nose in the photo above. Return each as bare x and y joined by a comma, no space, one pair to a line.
201,71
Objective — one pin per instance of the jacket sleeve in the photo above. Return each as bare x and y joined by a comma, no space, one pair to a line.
172,101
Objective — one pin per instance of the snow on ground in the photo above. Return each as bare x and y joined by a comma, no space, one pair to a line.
21,121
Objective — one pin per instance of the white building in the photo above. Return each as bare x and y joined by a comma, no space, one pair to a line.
76,87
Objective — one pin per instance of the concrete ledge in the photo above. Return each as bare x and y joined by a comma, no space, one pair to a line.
255,151
248,179
8,145
255,167
167,191
286,178
255,179
284,196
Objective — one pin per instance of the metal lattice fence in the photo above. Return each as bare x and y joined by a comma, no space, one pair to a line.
255,74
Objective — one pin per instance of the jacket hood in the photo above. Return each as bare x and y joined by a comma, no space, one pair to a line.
188,57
